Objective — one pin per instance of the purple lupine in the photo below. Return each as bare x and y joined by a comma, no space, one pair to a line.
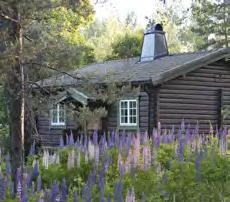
3,187
8,166
86,194
117,192
75,198
25,196
35,171
61,142
198,165
71,140
32,149
54,191
95,137
19,184
29,180
64,190
39,183
66,139
180,146
109,198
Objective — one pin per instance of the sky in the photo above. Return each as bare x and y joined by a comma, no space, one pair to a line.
121,8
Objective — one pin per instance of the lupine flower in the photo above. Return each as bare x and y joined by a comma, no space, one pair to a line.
8,166
64,190
109,198
54,191
66,139
71,159
130,196
45,159
19,184
78,159
71,140
32,149
197,165
61,142
75,198
117,192
35,172
2,187
91,150
25,197
39,184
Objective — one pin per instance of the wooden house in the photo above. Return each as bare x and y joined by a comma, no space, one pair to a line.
190,86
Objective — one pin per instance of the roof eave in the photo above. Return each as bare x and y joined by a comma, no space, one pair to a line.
190,66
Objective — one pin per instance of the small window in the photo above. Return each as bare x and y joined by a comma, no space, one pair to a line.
128,112
58,115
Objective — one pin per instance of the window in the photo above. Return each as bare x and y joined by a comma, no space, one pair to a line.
58,115
128,112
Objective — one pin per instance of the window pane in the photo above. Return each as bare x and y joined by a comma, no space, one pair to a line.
54,116
124,104
61,115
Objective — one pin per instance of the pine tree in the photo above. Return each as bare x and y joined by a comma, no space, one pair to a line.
16,19
211,22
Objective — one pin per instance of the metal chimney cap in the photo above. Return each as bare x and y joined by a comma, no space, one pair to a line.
156,28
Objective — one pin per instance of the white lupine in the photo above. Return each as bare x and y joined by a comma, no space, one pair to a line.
78,159
96,154
45,159
91,150
71,159
130,196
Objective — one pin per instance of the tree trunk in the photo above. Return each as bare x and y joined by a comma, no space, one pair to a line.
15,97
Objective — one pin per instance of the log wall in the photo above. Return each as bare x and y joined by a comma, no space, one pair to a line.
197,96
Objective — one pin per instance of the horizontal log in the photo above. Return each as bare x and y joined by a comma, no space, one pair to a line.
187,92
214,71
205,79
188,101
207,75
178,95
188,116
199,83
187,106
187,120
188,111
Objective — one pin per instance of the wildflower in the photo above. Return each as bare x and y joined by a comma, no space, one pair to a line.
39,184
35,172
130,196
197,165
32,149
91,150
75,198
19,184
3,187
71,140
54,191
117,192
78,159
71,158
45,159
8,166
64,190
61,141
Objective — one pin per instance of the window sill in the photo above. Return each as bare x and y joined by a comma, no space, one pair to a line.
121,127
57,126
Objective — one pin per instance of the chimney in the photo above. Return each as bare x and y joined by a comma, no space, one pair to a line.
154,44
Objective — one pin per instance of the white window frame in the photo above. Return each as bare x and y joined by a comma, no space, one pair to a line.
128,113
58,123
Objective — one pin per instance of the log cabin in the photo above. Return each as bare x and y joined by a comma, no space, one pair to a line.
194,87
